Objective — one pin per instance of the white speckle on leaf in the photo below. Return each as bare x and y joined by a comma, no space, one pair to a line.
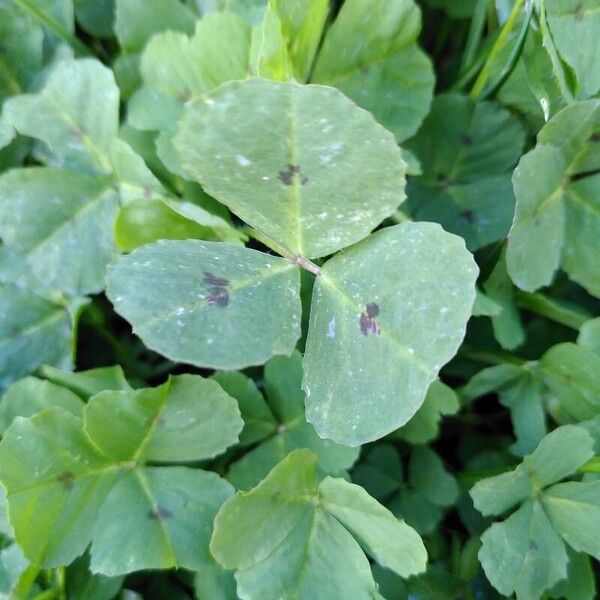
180,311
331,328
242,160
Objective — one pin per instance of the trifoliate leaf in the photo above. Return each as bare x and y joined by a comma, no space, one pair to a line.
370,54
30,395
187,418
62,221
466,162
386,315
292,170
556,218
290,536
523,554
208,303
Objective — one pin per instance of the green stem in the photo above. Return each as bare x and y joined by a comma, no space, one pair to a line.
546,307
591,466
490,357
475,33
54,26
484,75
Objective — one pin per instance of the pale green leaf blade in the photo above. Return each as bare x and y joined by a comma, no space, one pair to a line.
282,545
278,503
559,454
259,421
55,482
269,55
425,424
495,495
536,239
312,171
89,382
183,67
75,115
386,315
207,303
574,511
572,373
157,518
62,222
136,21
187,418
302,25
33,328
29,396
574,27
589,335
580,583
523,554
391,542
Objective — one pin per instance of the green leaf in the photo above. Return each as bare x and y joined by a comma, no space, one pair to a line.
391,542
427,473
302,25
269,54
572,373
170,509
559,454
556,219
29,396
187,418
89,382
259,421
34,329
491,379
574,27
574,511
466,162
508,329
523,554
495,495
136,21
280,168
580,583
62,222
589,335
145,221
75,115
424,426
63,493
81,584
386,315
55,483
290,537
288,428
207,303
370,54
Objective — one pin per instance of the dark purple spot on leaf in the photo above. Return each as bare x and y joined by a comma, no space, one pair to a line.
595,137
67,479
287,177
218,296
533,545
468,215
466,140
159,513
367,319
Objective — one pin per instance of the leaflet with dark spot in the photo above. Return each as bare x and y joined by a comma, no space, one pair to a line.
218,293
287,177
159,513
67,479
367,320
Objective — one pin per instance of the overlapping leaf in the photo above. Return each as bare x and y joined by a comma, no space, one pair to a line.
466,162
86,474
370,54
556,219
293,537
386,315
278,423
526,553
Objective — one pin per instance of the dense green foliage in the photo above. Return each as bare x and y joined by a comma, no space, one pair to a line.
299,299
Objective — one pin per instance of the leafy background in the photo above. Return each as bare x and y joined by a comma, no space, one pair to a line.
182,416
